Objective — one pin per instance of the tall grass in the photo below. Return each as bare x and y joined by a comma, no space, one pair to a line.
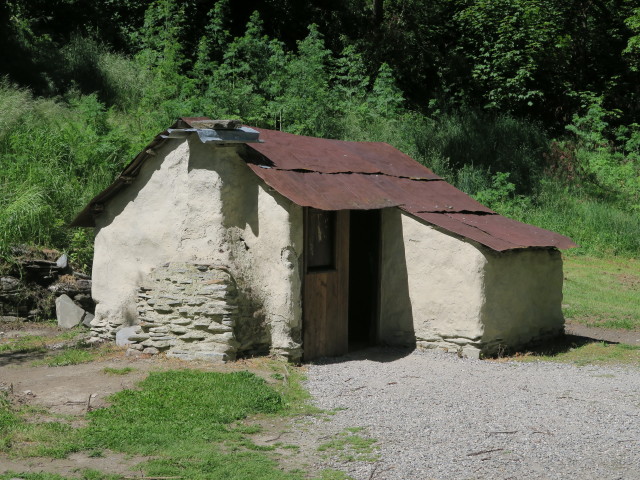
600,227
53,158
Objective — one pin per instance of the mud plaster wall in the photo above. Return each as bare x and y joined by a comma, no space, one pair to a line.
445,283
197,203
453,293
523,292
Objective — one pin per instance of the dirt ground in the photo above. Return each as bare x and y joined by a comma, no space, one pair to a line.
629,337
73,390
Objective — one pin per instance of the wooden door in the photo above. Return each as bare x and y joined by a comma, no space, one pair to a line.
326,284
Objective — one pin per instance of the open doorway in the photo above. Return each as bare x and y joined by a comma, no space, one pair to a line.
364,277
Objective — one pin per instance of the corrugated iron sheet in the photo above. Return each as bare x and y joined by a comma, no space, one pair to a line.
338,175
355,191
495,231
296,152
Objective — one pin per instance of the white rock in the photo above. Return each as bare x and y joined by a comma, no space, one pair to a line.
68,313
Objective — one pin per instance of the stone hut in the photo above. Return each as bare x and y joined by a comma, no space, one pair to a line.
220,240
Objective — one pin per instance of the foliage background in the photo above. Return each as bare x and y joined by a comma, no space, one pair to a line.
529,105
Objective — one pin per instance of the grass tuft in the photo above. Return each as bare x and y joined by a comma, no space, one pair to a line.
118,371
71,356
351,447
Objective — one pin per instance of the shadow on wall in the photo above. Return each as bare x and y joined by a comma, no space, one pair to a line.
119,202
396,314
239,194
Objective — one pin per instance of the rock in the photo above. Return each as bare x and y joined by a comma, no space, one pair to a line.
8,284
63,261
131,352
192,336
162,329
162,344
10,319
122,335
219,328
470,352
181,321
202,323
68,313
181,354
88,318
211,356
150,351
138,337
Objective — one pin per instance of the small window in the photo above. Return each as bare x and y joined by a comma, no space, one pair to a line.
321,239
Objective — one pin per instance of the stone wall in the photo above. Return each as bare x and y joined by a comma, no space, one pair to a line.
196,311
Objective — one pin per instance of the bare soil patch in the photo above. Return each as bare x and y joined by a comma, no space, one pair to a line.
613,335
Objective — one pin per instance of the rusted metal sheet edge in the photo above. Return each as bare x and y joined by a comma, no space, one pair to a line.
254,157
327,155
451,225
325,203
536,237
352,172
515,231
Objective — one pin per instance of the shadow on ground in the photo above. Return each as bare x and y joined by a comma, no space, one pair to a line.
22,357
375,354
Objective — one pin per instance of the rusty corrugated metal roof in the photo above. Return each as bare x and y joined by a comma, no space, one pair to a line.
297,152
355,191
495,231
339,175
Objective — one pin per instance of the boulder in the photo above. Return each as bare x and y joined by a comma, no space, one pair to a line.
68,313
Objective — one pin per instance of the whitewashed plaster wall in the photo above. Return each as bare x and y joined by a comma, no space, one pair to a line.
200,203
523,291
453,293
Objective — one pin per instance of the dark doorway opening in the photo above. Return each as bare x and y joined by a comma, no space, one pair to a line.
364,277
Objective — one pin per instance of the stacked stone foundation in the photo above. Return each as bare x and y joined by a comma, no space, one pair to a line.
190,311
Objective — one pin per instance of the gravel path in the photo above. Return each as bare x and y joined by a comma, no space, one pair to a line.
437,416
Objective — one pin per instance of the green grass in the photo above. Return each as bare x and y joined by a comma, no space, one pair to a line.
351,447
28,343
602,228
84,475
19,437
190,421
36,343
588,353
602,292
71,356
118,371
199,405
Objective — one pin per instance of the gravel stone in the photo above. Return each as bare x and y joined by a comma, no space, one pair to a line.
437,416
